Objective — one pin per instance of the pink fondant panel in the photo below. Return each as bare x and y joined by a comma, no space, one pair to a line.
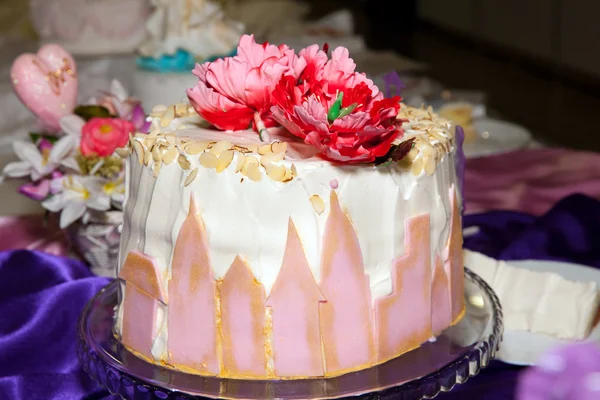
139,319
294,302
141,270
243,322
347,316
441,304
454,263
403,318
192,326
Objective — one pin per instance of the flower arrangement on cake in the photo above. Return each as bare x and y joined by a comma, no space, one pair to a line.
320,99
70,161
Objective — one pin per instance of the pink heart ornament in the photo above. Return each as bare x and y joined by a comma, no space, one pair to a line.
46,83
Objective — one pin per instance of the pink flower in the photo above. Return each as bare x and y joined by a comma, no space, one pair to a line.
101,136
336,109
235,92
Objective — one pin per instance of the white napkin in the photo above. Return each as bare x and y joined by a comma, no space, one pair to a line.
539,302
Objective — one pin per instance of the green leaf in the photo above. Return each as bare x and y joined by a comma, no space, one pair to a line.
89,112
336,108
347,110
36,137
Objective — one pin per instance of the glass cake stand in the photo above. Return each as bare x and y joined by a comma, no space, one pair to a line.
458,353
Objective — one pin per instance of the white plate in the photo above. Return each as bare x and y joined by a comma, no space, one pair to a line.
525,348
496,137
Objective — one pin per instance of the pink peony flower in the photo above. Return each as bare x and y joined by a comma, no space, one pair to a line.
336,109
101,136
235,92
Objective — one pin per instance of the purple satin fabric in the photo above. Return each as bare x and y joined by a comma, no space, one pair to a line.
531,181
41,297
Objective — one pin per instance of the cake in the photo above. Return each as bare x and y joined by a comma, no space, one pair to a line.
296,247
180,33
91,27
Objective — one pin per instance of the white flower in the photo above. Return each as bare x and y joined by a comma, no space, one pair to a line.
78,194
116,190
71,125
38,163
116,101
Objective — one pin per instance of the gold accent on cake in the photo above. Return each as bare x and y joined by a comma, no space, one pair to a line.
269,342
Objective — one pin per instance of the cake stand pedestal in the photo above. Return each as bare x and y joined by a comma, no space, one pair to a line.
460,352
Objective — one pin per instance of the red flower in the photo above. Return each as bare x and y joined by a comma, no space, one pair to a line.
234,92
336,109
101,136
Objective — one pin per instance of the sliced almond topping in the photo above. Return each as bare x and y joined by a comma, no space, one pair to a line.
279,147
147,157
156,169
429,165
271,158
139,150
288,176
195,147
220,147
191,176
123,152
159,109
224,160
241,158
275,172
427,149
412,154
170,155
170,138
317,203
294,171
157,153
180,109
167,117
208,160
264,149
254,173
149,140
417,166
252,148
184,163
251,169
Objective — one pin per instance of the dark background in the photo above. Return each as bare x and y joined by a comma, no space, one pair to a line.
538,61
